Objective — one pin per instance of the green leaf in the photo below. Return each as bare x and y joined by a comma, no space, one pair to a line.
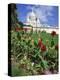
52,43
44,64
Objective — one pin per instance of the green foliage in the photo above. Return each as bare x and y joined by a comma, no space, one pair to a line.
14,19
30,59
52,43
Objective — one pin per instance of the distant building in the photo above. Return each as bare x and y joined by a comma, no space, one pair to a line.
35,23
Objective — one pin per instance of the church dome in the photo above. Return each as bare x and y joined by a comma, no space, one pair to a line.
31,16
32,19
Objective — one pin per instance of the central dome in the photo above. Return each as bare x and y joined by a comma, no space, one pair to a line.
31,16
32,19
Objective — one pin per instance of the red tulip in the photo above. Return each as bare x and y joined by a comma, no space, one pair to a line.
18,29
53,33
43,47
40,42
56,47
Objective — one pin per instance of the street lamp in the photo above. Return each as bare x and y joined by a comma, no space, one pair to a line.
36,24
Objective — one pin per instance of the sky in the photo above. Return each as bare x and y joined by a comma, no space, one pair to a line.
47,14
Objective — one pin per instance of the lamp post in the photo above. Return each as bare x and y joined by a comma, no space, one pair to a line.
36,24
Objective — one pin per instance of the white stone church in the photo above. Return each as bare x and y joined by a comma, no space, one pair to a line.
35,23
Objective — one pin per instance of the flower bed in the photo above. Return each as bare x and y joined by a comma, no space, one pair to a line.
34,53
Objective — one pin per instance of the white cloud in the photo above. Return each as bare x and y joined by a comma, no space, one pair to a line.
42,12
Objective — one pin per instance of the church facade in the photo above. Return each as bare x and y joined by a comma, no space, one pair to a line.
35,23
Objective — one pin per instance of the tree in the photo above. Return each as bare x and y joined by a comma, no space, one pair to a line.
14,19
21,24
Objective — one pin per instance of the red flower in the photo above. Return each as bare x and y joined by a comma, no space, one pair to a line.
53,33
18,29
43,47
56,47
40,42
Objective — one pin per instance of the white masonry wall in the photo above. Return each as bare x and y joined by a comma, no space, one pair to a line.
47,29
